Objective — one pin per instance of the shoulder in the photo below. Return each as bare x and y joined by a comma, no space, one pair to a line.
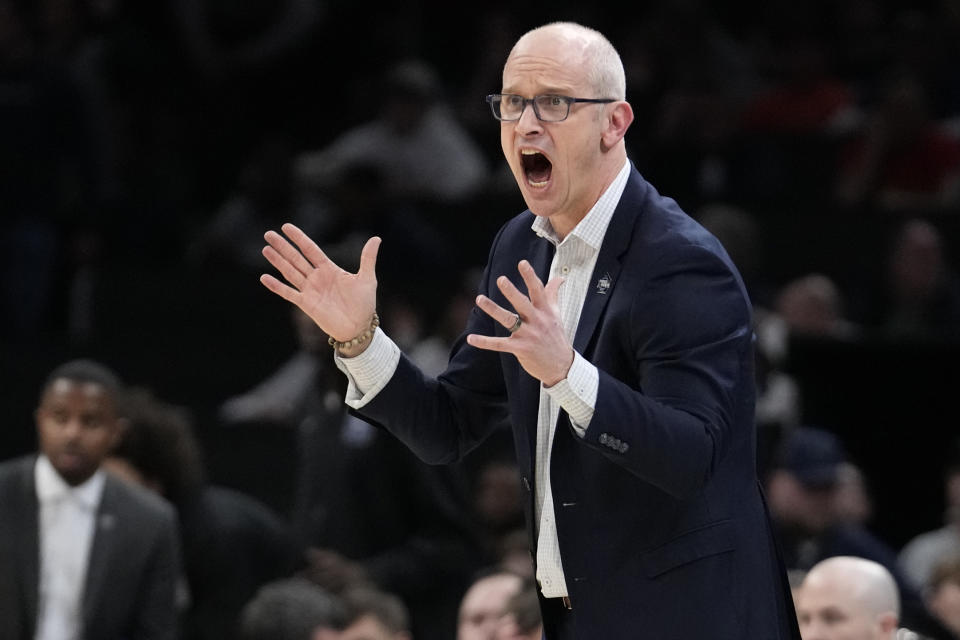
935,541
664,229
141,505
16,471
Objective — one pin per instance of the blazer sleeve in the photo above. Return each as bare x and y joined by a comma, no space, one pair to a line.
442,419
678,393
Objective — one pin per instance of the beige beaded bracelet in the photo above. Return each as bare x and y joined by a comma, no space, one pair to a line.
360,339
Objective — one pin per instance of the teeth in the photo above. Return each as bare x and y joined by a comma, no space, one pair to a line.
528,152
537,185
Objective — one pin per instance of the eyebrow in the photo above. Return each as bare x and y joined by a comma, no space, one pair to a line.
550,91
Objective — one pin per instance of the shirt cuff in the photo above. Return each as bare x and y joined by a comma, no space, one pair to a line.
370,371
577,393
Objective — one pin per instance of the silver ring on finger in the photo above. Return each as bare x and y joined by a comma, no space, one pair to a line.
516,325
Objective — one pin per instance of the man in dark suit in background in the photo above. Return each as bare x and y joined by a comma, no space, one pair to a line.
627,378
83,556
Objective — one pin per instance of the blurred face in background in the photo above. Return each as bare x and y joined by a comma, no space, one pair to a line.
77,427
484,605
835,603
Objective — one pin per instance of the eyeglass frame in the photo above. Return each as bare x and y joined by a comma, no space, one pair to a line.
569,100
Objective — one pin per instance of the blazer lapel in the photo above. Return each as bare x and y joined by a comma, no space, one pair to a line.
29,542
609,261
104,535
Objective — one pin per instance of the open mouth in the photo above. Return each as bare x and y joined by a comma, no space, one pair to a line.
536,167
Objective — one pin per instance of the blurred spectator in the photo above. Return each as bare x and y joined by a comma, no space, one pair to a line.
853,501
521,619
432,352
375,615
292,609
848,598
920,297
231,543
903,162
416,261
82,554
484,605
415,142
366,508
288,394
513,553
812,305
740,234
265,195
922,553
803,489
498,503
943,594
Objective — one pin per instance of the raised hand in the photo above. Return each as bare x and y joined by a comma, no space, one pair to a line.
539,343
341,303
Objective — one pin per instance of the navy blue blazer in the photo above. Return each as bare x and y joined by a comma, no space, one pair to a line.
662,527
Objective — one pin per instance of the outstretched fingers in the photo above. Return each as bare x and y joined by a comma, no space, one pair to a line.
291,273
368,258
521,303
535,287
505,317
307,247
286,292
282,255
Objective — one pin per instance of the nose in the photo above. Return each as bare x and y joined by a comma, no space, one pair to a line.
72,428
528,124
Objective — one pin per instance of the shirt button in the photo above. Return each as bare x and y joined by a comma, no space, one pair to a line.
565,270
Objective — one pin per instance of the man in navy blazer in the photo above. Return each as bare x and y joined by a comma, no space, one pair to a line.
627,378
83,555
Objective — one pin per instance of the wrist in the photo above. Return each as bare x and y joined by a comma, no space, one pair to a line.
359,343
563,373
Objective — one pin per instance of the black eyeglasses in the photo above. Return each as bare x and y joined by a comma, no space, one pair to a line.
508,107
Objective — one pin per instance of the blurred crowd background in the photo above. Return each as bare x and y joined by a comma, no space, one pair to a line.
146,146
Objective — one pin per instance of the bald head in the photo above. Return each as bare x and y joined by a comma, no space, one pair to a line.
484,603
847,598
601,62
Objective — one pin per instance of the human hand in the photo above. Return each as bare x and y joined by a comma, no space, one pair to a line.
540,343
341,303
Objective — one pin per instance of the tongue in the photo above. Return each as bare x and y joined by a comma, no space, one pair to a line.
538,169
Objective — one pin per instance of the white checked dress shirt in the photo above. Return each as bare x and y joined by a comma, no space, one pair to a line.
67,518
574,260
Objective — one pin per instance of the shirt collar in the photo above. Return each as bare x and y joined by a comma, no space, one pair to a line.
51,487
594,225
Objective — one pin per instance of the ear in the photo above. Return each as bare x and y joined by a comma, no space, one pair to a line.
619,118
120,426
887,622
